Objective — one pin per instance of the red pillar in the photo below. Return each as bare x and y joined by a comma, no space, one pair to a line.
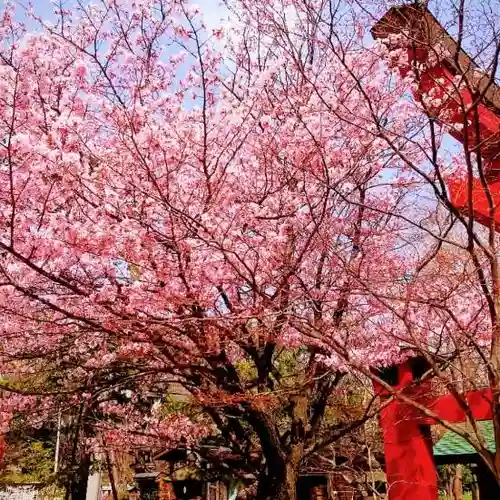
410,468
408,450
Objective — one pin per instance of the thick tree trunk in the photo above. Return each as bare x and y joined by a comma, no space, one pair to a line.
280,483
80,480
288,490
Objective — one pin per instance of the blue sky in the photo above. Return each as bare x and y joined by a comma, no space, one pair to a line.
212,10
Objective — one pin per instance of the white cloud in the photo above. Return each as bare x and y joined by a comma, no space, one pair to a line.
214,14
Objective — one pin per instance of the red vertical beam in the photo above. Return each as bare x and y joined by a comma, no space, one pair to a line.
410,468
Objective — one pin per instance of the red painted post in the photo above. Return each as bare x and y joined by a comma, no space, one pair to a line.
410,468
408,451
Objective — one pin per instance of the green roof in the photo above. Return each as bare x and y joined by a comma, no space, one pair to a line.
453,444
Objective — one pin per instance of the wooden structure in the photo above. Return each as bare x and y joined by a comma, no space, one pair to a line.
180,474
453,449
468,102
341,472
177,475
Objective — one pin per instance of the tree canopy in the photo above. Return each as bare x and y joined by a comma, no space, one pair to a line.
249,213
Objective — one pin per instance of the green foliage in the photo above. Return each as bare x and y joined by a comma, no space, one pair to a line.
467,496
446,474
172,404
290,362
33,464
51,492
287,362
246,370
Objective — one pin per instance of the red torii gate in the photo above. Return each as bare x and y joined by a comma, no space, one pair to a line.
428,38
410,466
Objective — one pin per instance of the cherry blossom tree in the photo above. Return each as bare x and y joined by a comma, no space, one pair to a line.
197,207
447,311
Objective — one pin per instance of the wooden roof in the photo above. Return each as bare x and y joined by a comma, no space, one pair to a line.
452,444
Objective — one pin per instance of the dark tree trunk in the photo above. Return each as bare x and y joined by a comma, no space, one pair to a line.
279,483
80,479
288,489
475,491
111,476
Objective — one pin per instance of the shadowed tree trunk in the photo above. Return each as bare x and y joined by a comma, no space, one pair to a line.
475,491
79,481
279,484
